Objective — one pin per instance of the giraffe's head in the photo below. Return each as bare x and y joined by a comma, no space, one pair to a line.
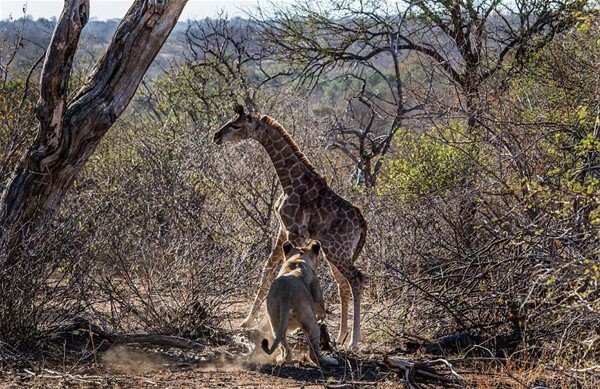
241,126
308,254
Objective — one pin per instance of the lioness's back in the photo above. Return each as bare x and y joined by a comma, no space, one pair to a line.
288,289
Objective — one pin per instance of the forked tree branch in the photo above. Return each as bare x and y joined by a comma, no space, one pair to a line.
69,132
54,81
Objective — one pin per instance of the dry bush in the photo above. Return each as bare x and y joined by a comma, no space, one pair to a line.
159,248
163,230
29,291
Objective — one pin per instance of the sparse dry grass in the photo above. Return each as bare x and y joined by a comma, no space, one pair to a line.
164,234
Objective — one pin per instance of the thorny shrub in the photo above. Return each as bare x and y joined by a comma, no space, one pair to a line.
163,230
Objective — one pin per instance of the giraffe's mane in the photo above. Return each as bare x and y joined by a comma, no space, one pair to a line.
286,136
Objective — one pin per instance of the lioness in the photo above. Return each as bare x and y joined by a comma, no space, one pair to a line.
295,301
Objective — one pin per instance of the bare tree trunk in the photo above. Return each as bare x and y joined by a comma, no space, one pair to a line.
70,129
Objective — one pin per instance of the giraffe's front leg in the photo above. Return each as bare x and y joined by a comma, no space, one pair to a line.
267,276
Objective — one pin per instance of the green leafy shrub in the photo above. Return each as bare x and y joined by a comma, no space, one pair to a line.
422,166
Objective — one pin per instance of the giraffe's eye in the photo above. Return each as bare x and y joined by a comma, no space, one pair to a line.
236,127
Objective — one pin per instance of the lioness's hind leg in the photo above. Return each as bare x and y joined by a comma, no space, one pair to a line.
313,333
314,336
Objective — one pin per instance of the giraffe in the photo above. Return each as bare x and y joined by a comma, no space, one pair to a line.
307,209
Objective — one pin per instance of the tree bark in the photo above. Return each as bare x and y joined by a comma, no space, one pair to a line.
70,130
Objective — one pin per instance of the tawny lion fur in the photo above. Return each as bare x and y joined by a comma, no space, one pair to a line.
295,301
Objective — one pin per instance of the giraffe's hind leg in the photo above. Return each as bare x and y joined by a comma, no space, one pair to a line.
350,283
345,293
341,246
356,281
354,278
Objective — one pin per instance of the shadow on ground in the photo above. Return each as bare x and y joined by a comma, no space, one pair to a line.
352,369
364,368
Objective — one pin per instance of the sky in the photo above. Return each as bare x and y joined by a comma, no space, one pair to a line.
115,9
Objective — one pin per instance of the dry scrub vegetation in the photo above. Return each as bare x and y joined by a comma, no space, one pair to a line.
480,182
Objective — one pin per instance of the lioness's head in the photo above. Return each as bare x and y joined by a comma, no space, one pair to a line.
309,253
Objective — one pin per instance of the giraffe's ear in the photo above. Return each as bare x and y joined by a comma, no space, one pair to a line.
315,247
287,247
239,109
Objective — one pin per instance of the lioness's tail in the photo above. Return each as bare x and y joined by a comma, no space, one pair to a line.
284,317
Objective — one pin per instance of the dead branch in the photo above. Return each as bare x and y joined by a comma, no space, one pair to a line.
412,371
101,335
77,378
156,340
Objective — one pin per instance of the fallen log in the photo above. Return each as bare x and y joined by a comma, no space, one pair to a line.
82,331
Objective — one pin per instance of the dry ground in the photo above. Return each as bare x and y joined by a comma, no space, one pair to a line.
240,362
233,365
237,362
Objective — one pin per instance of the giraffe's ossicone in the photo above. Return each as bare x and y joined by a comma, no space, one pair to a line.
307,209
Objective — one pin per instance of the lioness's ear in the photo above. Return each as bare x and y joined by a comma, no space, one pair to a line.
315,247
287,247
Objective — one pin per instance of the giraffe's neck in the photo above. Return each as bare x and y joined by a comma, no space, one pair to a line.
288,164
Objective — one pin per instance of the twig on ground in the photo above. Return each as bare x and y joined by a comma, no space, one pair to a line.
52,374
587,369
411,370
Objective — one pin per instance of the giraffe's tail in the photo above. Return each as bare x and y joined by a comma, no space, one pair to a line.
363,235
